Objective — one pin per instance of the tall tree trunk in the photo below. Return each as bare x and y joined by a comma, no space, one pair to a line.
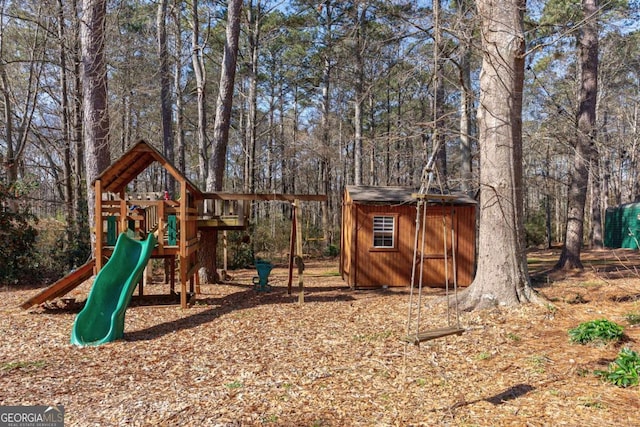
466,106
65,118
597,241
94,84
165,93
360,13
466,101
253,15
224,102
324,169
199,70
80,195
586,119
502,276
217,162
439,137
177,83
374,173
388,145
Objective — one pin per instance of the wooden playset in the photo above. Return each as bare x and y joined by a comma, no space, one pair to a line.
175,223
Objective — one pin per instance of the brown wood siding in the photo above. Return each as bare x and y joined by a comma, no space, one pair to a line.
364,266
377,267
466,244
438,268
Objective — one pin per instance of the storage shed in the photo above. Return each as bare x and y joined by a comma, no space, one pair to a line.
378,237
622,226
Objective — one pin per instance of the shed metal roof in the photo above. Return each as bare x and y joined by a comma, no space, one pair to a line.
399,194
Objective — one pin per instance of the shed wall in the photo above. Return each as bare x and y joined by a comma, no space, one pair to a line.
364,266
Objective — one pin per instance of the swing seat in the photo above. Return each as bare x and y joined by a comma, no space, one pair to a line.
433,334
261,283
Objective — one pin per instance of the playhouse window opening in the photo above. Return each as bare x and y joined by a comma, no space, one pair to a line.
384,228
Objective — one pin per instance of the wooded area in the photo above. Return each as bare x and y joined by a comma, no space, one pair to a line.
526,113
323,94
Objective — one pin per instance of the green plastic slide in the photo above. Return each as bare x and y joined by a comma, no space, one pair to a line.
102,318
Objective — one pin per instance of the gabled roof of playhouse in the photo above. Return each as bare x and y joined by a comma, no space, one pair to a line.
133,162
366,194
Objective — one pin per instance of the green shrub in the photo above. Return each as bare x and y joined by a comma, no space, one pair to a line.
332,251
17,237
239,250
535,229
623,372
601,330
49,258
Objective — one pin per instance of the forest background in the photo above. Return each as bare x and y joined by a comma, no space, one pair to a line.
326,94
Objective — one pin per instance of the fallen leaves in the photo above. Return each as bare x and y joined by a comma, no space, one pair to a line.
243,358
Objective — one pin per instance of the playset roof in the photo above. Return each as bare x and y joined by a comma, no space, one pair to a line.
133,162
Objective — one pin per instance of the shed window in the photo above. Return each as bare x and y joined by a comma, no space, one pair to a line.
384,228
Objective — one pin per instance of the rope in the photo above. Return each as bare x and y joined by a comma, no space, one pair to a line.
428,176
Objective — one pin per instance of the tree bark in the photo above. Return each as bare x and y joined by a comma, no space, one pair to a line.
324,169
65,119
586,119
359,18
217,162
177,82
502,276
165,93
438,139
597,241
80,196
466,101
252,99
199,70
94,84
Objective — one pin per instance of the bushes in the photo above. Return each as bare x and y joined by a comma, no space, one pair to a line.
623,372
535,229
601,330
51,259
35,250
17,238
269,238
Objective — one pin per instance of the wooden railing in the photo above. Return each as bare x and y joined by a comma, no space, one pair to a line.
143,215
223,214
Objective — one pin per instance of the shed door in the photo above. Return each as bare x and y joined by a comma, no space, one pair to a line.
438,261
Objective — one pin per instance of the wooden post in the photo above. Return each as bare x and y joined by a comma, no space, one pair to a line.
172,274
225,252
124,211
292,247
184,262
299,259
98,225
147,277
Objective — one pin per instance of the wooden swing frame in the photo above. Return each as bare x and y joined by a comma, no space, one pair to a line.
420,237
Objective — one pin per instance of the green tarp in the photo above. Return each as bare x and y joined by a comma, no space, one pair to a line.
622,226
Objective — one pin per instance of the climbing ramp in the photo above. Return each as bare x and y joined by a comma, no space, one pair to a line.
62,286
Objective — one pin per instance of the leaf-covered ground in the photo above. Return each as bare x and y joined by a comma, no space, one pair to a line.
243,358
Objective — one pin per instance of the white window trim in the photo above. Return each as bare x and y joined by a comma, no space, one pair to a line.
386,227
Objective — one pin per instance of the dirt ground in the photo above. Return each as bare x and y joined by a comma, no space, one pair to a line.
243,358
